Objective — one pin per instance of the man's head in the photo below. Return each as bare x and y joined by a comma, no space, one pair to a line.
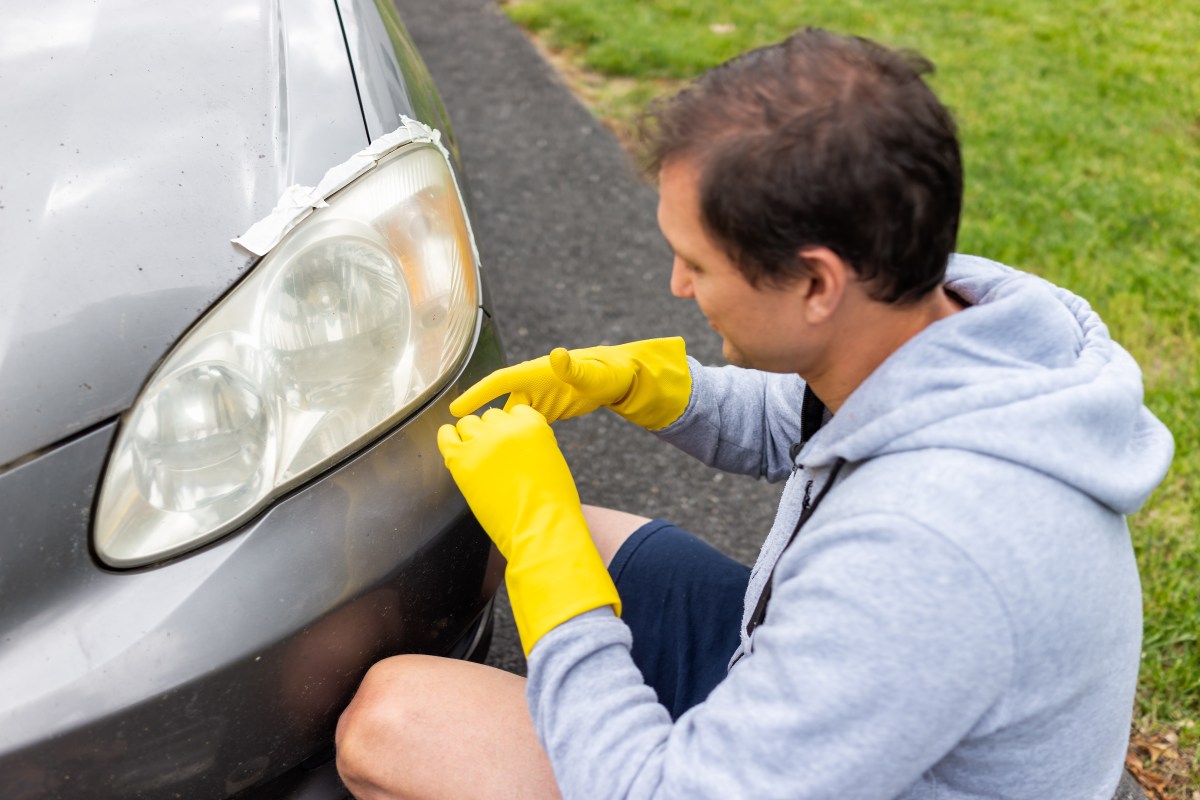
820,141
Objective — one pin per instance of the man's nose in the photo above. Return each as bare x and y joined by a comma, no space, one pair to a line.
681,281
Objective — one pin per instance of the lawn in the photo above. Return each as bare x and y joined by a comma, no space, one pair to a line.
1080,123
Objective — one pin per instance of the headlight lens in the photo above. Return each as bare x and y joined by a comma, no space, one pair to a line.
352,321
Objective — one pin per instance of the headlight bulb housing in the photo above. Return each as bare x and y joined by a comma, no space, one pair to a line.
354,319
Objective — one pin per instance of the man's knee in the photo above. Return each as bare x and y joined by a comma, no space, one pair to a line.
610,528
370,730
429,727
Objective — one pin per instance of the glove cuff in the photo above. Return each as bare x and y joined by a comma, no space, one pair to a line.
545,594
662,383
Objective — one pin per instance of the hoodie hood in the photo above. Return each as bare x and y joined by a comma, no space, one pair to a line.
1027,373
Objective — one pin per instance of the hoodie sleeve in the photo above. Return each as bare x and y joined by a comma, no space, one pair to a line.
740,420
884,646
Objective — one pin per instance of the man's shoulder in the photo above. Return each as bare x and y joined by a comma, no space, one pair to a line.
1007,516
938,477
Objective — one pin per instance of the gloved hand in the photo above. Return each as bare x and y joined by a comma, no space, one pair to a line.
509,468
647,382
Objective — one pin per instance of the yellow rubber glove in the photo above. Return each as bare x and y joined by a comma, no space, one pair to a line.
647,382
508,466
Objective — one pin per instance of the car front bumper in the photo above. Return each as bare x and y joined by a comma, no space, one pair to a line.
207,675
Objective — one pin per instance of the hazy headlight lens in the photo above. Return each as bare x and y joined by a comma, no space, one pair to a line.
200,439
355,318
333,322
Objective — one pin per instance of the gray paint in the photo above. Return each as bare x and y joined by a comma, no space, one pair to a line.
148,135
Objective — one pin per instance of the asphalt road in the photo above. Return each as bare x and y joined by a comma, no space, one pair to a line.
568,240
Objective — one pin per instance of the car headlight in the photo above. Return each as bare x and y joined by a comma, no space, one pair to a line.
359,315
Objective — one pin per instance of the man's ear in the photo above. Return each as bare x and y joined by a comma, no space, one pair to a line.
824,285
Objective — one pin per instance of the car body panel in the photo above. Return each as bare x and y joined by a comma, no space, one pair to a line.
386,66
137,677
125,152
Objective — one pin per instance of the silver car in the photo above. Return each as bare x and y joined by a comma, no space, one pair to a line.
221,498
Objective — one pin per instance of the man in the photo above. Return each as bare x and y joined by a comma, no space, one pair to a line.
947,604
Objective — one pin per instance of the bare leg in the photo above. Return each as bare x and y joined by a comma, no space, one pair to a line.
426,727
610,528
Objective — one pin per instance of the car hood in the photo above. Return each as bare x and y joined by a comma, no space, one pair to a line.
137,140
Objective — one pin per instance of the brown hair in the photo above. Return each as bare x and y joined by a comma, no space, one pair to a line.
820,140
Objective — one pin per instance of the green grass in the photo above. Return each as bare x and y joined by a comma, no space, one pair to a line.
1081,133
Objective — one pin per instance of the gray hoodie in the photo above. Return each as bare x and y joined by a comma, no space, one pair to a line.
960,617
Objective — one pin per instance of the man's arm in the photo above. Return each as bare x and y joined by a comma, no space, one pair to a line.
646,382
865,674
735,419
740,420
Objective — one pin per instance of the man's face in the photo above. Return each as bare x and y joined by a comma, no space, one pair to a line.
759,325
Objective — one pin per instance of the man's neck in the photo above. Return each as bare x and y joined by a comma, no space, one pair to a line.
867,334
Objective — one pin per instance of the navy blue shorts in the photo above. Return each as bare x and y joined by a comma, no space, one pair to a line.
683,601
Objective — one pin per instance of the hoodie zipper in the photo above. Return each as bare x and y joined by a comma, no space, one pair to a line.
760,609
812,416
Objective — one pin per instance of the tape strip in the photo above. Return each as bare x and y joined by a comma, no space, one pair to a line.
297,202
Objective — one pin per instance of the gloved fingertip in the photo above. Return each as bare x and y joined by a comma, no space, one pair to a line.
468,427
468,401
560,363
447,437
